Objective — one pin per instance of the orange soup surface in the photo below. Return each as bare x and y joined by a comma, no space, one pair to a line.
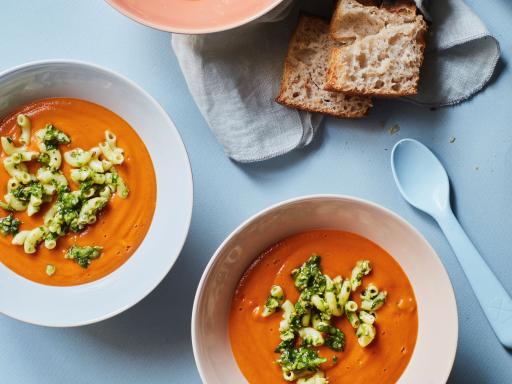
254,338
121,225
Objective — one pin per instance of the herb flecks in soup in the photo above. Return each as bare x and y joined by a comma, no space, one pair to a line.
326,312
66,178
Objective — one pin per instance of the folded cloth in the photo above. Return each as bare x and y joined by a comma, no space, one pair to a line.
234,76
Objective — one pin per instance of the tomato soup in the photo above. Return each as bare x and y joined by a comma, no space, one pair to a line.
254,338
121,225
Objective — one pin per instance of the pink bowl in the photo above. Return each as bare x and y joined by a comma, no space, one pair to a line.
193,16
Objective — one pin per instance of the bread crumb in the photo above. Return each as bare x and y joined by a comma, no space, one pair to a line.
394,129
452,139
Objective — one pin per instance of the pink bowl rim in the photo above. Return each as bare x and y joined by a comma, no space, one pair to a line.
192,31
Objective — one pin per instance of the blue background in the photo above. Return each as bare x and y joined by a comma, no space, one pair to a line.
150,343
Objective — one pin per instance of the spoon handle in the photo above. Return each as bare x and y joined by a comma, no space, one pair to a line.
494,299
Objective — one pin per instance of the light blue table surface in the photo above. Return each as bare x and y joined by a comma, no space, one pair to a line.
150,343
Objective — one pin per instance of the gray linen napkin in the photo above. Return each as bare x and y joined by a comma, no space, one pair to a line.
234,76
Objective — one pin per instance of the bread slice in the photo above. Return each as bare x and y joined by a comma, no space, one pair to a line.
302,86
382,52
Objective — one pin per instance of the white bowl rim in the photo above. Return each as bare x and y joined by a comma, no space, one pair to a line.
193,31
188,170
246,223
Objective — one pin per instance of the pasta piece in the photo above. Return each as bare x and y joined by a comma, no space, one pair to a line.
49,214
54,159
114,155
306,318
350,312
111,139
47,176
98,178
361,269
376,303
365,334
90,209
311,336
16,168
319,303
122,188
370,292
96,165
77,157
332,304
14,203
50,270
95,152
33,239
319,324
50,138
50,241
274,300
107,165
12,184
106,193
34,205
110,149
366,317
80,174
344,294
20,237
9,147
284,325
317,378
24,122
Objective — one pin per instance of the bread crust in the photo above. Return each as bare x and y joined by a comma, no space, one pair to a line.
330,103
392,13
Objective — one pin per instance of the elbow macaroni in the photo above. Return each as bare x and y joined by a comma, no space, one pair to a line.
92,170
25,125
34,237
9,147
110,150
77,157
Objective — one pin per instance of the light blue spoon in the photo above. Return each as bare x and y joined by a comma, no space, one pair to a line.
423,182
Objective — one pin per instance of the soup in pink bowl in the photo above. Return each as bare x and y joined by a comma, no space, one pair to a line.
194,16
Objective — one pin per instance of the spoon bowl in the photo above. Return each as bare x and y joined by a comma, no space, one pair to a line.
420,177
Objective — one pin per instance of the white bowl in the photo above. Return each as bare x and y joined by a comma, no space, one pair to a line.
436,344
140,274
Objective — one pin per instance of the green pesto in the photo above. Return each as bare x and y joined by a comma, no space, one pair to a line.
9,225
335,339
44,158
53,137
309,276
83,255
24,192
300,360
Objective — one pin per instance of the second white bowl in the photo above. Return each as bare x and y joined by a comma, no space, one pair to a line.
436,344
